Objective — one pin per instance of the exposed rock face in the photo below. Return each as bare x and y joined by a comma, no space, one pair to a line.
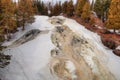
30,35
81,52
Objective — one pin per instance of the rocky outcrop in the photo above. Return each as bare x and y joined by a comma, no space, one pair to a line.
28,36
84,56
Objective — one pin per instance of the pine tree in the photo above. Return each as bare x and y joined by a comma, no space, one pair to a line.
25,12
79,7
60,7
38,6
101,8
8,22
98,8
4,59
70,8
41,7
1,19
64,7
51,8
113,21
92,6
0,11
106,8
45,10
86,12
57,9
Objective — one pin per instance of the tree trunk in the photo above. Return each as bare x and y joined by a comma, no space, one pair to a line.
114,30
8,35
23,23
23,26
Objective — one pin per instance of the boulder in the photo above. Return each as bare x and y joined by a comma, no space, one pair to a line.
109,43
104,31
116,52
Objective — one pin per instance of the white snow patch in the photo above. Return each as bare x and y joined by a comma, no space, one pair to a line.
72,69
118,47
117,31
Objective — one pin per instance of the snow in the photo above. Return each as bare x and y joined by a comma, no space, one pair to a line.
71,68
117,31
30,60
118,47
107,58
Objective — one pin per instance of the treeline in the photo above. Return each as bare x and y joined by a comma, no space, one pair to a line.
107,10
12,16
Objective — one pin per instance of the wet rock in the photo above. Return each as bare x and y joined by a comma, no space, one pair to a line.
55,52
116,52
77,40
30,35
59,29
56,21
4,60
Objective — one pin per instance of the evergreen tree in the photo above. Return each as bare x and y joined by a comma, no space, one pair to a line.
38,6
0,11
4,59
64,7
8,22
1,19
101,8
98,8
41,7
60,7
86,12
113,21
70,8
106,8
79,7
50,9
45,10
92,6
25,12
57,9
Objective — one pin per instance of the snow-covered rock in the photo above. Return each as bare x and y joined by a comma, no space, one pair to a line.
87,46
67,51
